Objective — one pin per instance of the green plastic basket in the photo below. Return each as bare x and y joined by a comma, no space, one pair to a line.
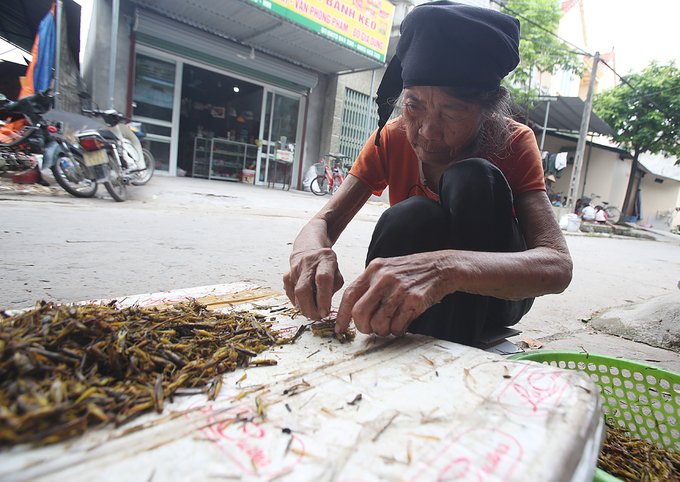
640,398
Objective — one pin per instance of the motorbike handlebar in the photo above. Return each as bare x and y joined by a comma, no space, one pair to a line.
111,117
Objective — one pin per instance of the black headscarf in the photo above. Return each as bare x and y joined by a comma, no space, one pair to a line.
445,43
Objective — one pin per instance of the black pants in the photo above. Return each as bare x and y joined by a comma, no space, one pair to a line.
475,213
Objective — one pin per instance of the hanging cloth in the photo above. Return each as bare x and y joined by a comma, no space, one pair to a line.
561,161
39,72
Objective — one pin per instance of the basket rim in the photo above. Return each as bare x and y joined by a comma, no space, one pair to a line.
621,363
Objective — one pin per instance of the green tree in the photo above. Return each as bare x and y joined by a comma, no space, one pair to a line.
541,51
644,110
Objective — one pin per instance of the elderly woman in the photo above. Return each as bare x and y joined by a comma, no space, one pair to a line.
470,238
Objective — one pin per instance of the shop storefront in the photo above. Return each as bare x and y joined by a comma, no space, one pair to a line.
227,127
203,119
224,89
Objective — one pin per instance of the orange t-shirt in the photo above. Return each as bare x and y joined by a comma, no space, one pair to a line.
394,164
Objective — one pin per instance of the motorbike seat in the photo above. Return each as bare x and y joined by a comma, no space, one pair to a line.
106,134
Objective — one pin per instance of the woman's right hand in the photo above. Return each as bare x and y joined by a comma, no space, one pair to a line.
314,275
313,278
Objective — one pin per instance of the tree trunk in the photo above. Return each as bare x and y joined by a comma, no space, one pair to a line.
631,187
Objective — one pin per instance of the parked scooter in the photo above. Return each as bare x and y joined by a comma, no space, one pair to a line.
115,154
30,141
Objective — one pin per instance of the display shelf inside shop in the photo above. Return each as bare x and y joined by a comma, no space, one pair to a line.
219,158
201,161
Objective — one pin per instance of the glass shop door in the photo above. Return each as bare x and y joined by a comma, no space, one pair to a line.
281,115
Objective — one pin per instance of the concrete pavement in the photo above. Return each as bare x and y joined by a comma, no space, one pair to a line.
183,232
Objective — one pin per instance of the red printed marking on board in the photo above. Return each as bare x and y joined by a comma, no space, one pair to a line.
534,392
256,449
482,454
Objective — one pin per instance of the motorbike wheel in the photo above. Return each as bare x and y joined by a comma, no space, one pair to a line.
318,186
115,185
337,180
71,172
144,176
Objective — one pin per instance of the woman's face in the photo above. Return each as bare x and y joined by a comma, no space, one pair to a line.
439,127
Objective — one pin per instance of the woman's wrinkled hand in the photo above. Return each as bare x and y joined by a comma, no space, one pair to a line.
390,294
313,278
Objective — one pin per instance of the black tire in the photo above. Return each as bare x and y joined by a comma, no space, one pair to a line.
74,176
144,176
337,180
318,185
117,189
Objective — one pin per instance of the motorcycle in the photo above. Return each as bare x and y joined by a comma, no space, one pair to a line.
29,141
115,154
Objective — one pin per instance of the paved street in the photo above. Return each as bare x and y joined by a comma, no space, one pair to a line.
182,232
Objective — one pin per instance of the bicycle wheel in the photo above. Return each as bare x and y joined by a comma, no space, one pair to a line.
337,180
144,176
115,185
613,214
318,186
74,176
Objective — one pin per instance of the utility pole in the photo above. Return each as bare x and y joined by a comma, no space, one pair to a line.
115,11
57,54
581,146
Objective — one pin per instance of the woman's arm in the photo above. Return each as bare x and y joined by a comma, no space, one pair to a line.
314,275
393,292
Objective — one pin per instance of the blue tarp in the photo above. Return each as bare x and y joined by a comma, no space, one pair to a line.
42,75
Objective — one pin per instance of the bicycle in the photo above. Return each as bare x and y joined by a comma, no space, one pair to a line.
334,176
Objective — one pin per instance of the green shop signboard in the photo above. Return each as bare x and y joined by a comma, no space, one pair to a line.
362,25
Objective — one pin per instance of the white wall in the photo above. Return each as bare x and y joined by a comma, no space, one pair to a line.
604,177
607,177
603,173
658,199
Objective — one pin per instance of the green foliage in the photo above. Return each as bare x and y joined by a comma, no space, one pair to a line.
647,118
540,49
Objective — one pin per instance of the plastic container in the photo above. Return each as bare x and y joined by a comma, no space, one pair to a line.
248,176
31,176
640,398
573,224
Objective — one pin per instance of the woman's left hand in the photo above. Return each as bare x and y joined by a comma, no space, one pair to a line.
391,293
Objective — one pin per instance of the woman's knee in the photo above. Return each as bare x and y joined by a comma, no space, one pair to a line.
417,212
474,182
415,225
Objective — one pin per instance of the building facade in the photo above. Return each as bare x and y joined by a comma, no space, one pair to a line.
227,89
267,87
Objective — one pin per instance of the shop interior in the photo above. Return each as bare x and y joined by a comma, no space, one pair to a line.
216,106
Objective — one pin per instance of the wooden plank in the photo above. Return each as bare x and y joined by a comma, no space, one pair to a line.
215,302
228,300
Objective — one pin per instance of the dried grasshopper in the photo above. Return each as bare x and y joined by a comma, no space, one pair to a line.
326,329
631,460
66,368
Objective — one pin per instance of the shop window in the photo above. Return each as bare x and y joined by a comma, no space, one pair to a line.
154,88
153,95
160,149
157,130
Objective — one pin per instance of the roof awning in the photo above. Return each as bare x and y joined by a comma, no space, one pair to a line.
565,116
252,25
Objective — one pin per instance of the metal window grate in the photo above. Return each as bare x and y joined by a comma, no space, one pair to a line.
359,120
